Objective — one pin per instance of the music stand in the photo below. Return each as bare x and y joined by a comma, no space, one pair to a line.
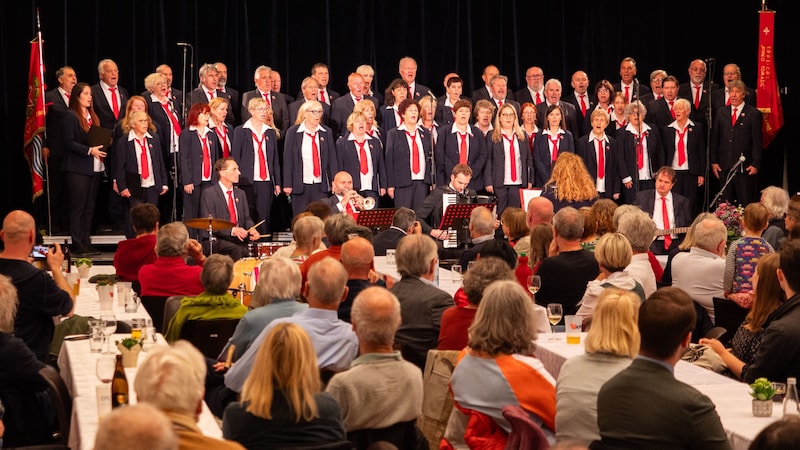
376,220
457,217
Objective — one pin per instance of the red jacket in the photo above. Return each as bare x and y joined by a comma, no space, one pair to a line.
132,254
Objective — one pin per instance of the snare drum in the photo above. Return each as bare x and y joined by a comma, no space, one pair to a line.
267,249
245,276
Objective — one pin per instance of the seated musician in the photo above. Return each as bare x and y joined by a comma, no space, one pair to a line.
430,215
227,202
668,210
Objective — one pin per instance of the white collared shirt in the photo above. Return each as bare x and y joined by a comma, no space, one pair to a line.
507,162
644,172
307,157
150,181
421,175
674,162
658,217
600,183
366,179
257,159
107,94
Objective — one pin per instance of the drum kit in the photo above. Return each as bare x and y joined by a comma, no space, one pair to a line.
245,270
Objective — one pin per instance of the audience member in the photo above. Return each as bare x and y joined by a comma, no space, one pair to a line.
215,302
42,296
173,246
603,211
404,222
481,230
357,256
282,405
611,344
334,341
666,322
776,200
134,253
136,427
589,237
699,271
307,231
514,225
336,230
640,231
570,183
743,253
778,355
779,435
685,245
361,391
171,379
540,210
421,302
541,237
768,297
569,267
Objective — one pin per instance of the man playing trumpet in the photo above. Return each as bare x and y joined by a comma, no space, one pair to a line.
345,199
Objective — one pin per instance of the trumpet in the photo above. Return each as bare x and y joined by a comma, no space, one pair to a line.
360,203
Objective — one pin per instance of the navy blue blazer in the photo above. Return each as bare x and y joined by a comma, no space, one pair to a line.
658,113
126,163
214,203
190,158
398,157
294,108
76,157
635,86
341,110
695,141
591,103
494,175
698,115
443,114
229,129
542,162
199,96
387,123
293,158
164,124
280,110
103,109
447,156
744,138
244,152
613,162
655,151
347,160
57,111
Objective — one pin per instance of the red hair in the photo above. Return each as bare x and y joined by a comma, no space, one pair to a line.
197,109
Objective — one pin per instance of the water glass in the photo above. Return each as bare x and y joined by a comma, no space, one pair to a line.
95,335
455,274
137,328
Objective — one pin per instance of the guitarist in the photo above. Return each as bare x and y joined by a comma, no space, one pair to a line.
668,210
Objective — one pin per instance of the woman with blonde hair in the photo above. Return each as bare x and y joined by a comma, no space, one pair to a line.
220,107
570,183
611,345
281,403
498,368
506,176
367,107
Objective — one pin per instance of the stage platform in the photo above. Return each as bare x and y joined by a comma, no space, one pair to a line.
105,243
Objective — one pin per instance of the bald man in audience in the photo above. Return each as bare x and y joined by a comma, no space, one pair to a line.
136,427
376,318
357,256
481,230
540,210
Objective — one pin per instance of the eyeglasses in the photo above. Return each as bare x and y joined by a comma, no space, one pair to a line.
316,112
264,109
508,114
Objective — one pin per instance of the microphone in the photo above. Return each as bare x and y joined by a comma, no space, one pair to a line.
710,60
741,158
184,44
636,80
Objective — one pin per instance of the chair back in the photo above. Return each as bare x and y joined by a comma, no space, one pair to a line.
62,403
702,324
154,304
403,435
437,401
525,433
209,336
170,308
728,315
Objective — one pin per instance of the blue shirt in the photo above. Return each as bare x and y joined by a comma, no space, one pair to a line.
334,341
255,321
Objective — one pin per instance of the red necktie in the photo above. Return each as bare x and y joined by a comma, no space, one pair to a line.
267,99
222,132
697,96
231,207
512,156
262,158
414,153
538,98
462,149
671,111
681,146
628,93
640,150
555,146
145,163
362,157
728,101
69,96
175,125
211,95
583,105
206,157
733,117
499,104
621,124
358,99
322,96
315,154
665,217
531,137
601,159
114,102
89,121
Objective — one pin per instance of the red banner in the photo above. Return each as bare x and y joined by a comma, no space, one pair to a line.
768,98
34,121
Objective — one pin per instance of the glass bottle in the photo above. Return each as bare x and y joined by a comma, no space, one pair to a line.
119,385
791,407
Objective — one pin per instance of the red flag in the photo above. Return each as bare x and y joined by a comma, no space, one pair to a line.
34,120
769,100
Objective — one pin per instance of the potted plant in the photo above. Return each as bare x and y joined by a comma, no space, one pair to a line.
83,265
130,349
762,393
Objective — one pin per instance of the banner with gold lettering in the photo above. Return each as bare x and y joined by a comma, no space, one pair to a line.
768,96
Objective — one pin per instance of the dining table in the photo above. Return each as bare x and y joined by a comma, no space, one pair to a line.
87,302
731,397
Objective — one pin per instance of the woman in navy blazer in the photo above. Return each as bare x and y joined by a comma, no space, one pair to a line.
409,174
348,155
83,167
504,177
551,141
395,94
448,147
199,151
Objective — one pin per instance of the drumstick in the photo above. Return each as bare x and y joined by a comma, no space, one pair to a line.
255,226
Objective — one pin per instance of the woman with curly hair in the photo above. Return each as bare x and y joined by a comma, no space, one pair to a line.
570,183
603,212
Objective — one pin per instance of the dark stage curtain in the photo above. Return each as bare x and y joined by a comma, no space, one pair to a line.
561,36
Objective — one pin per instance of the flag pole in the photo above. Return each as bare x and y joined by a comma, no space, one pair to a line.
44,111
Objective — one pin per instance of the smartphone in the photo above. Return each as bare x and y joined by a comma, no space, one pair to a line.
40,251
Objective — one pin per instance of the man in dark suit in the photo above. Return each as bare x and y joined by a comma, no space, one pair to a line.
721,97
660,200
430,215
343,106
659,112
209,89
552,92
108,98
227,202
275,100
421,303
309,91
499,87
174,94
222,85
57,102
481,231
628,84
656,78
319,72
404,222
366,71
533,92
582,100
698,91
666,321
485,92
736,134
408,72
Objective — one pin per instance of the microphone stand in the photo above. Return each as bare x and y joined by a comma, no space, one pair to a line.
728,179
709,122
431,159
175,182
636,141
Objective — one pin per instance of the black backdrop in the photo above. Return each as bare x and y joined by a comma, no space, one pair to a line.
463,36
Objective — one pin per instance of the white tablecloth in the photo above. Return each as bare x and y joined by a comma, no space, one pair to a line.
77,366
88,302
731,397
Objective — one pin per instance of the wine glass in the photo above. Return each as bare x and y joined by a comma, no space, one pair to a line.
554,314
109,326
105,368
534,283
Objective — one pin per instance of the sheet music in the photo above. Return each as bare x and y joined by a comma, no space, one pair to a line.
452,238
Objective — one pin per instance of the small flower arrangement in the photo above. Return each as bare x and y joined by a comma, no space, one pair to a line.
731,215
762,389
129,343
83,262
